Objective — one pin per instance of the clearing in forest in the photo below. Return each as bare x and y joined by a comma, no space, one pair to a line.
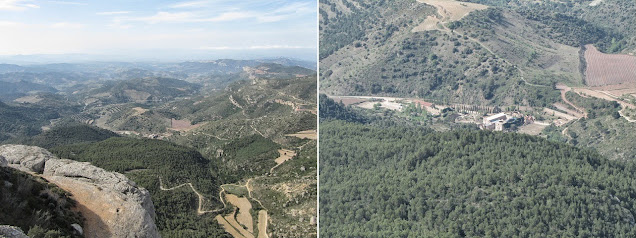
183,125
532,129
139,110
449,10
285,155
309,134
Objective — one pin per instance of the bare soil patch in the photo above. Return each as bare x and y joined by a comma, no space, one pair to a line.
562,115
532,129
285,155
421,102
451,10
429,24
139,110
309,134
183,125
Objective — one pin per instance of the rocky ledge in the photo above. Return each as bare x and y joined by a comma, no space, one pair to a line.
113,205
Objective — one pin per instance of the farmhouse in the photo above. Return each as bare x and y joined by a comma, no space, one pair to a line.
495,118
500,121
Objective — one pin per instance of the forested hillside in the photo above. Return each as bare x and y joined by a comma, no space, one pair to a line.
143,90
607,24
66,134
20,121
145,162
500,53
404,181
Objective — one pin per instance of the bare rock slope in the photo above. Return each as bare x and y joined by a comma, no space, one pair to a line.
11,231
113,205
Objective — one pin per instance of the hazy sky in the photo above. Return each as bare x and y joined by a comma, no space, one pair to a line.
135,28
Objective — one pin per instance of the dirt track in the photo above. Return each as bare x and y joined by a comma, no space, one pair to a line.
262,224
200,210
580,112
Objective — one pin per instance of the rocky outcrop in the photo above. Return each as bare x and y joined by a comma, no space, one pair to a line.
28,158
11,232
112,205
3,161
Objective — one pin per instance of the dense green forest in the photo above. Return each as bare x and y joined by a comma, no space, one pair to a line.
411,182
66,133
248,156
332,110
145,161
40,209
157,89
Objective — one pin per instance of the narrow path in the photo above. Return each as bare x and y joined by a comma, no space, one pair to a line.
626,118
609,97
200,210
235,103
251,125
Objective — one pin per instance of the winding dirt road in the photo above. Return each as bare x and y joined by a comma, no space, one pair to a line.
564,89
200,210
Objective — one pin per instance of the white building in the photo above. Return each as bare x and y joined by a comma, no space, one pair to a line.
494,118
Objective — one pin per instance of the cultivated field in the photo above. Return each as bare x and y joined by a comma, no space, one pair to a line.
183,125
236,224
244,207
309,134
608,69
348,100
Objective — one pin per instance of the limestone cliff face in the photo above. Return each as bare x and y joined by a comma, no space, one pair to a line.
113,205
28,158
